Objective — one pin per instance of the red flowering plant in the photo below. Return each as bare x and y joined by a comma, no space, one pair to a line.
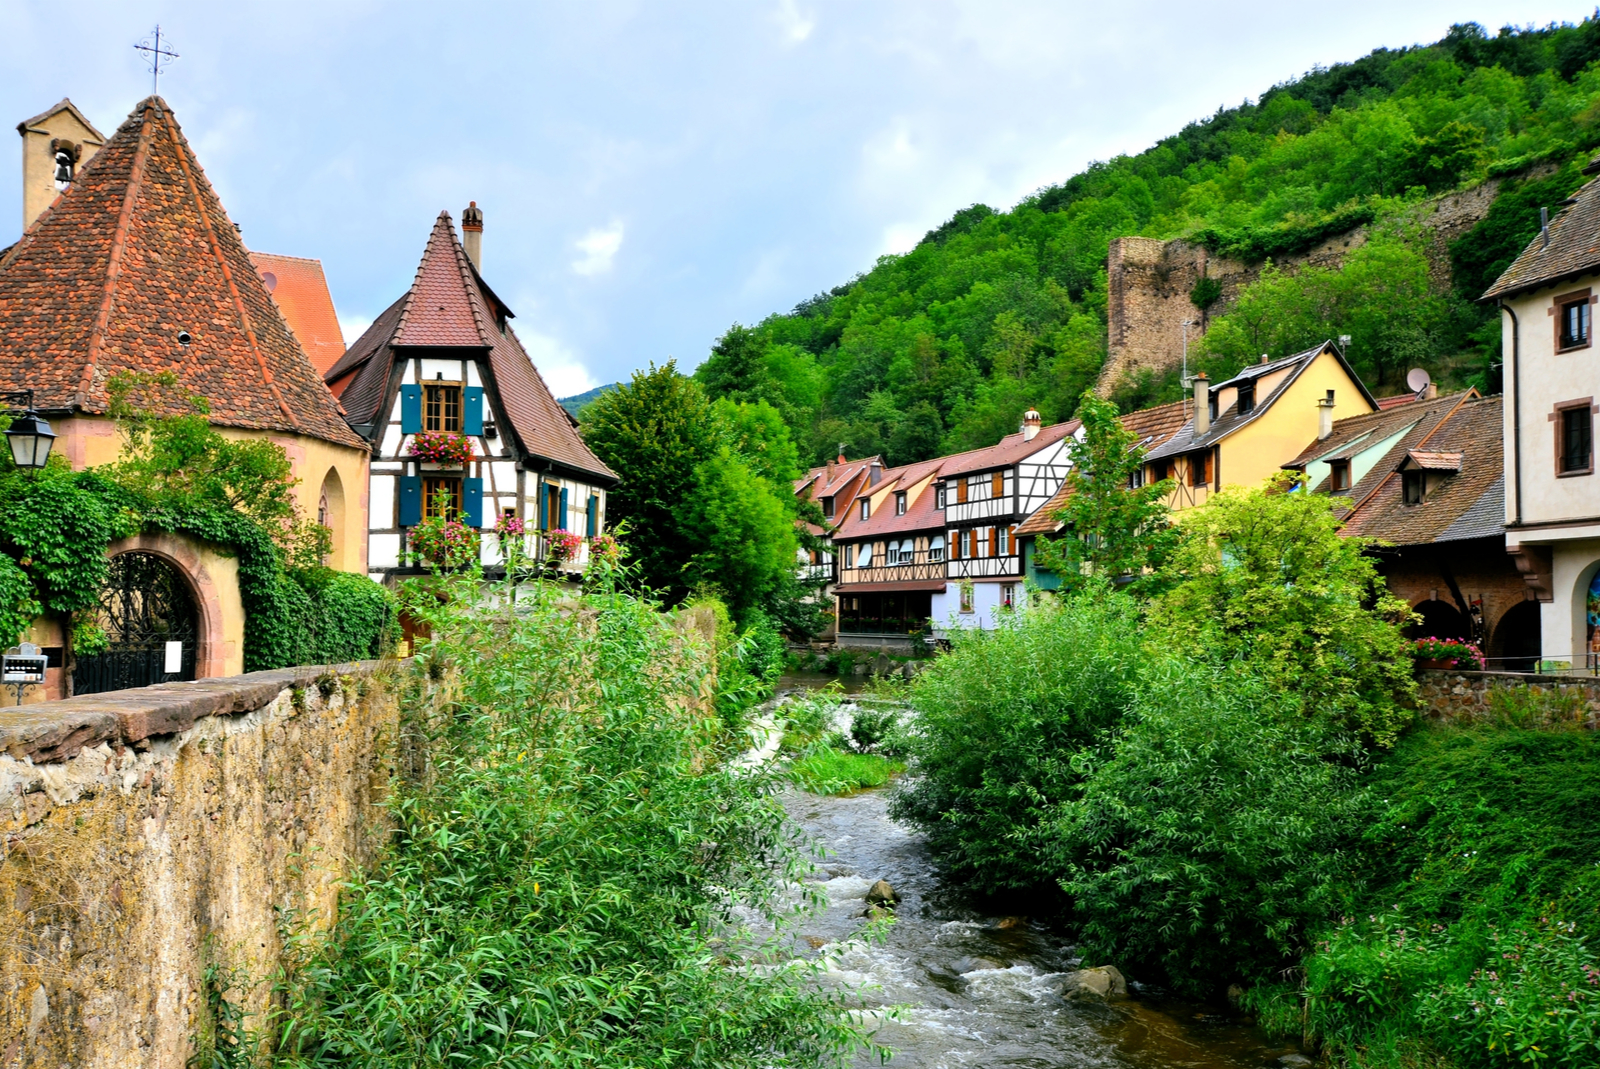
441,447
563,547
444,541
1452,650
513,543
604,547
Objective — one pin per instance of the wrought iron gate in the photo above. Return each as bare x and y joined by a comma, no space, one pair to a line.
144,606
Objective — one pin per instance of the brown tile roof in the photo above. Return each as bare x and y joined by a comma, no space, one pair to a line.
1573,247
1461,505
1152,426
300,290
138,250
1354,434
1396,401
920,514
1007,451
449,306
1430,460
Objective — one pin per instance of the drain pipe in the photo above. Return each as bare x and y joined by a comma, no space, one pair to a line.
1516,404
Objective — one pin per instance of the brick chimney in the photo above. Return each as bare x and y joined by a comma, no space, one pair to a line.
874,473
1325,417
1202,405
472,234
1031,422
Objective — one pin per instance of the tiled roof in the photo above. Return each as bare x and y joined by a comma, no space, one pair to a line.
1386,403
1431,460
1152,426
1353,434
1463,501
138,250
1007,451
1185,440
920,515
300,290
1573,247
450,307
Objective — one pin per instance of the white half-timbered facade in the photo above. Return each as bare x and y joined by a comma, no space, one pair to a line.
443,359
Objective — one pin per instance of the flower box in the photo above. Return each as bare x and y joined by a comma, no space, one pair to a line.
441,447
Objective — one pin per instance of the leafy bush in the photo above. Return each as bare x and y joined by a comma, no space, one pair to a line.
1210,840
1001,723
875,727
826,770
566,889
1264,576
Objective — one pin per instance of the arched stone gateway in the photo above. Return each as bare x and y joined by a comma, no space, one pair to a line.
149,615
1440,620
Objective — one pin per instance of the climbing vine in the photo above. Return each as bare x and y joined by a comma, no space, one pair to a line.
178,475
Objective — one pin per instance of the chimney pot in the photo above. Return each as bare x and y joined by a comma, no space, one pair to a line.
1031,422
1325,417
1263,359
472,234
874,473
1202,404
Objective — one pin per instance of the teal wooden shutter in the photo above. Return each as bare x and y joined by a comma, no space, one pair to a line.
544,509
410,409
592,526
563,517
472,502
472,410
410,500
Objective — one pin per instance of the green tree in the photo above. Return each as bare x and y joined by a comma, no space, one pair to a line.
1113,528
1263,576
744,533
654,431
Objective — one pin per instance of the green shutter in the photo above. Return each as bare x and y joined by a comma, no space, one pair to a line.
472,502
472,410
410,500
410,409
592,526
563,517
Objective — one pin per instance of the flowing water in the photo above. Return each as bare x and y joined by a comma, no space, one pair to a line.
956,987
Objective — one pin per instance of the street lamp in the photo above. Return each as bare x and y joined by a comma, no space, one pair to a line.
29,435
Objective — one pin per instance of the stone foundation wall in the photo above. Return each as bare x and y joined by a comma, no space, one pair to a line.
1465,695
148,834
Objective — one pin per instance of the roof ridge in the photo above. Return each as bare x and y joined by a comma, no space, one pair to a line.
480,308
119,240
182,149
64,104
286,256
416,279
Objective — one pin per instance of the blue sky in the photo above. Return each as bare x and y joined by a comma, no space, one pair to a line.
651,173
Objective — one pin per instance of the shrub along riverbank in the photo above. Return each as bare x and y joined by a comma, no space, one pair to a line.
1400,894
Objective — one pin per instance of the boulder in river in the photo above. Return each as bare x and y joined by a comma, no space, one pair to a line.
882,894
1100,984
1295,1061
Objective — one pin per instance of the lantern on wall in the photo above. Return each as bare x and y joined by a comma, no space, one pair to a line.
29,435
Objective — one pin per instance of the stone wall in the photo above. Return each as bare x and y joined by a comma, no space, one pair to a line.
1465,695
150,833
1148,282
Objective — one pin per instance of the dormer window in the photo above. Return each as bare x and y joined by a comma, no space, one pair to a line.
1573,321
1247,397
1338,475
1412,487
899,502
827,506
866,508
938,497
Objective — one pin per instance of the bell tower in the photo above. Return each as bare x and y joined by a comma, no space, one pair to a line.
55,143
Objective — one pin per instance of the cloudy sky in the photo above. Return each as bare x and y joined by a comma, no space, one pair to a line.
652,172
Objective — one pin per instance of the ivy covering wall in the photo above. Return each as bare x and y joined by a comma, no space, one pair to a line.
179,475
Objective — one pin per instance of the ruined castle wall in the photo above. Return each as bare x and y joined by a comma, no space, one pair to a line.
147,834
1149,281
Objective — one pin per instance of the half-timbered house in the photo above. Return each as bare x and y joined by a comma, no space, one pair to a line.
833,487
891,552
444,359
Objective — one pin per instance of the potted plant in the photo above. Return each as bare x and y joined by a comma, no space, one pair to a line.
445,449
1448,653
446,544
562,547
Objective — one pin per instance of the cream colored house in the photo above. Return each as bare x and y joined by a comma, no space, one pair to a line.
1552,380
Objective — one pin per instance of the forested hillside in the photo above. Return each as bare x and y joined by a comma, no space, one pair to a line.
943,347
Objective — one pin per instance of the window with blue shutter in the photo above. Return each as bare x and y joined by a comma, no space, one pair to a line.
563,516
472,502
410,409
410,500
544,509
472,411
592,526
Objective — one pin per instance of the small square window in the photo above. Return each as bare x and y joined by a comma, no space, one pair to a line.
899,502
827,506
442,408
966,597
1247,397
1338,475
1008,595
1575,324
1197,469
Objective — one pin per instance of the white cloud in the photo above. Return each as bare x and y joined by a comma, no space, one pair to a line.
900,237
795,24
562,369
353,326
599,247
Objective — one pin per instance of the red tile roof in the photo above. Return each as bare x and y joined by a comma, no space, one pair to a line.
920,515
1571,248
1386,403
1150,426
449,306
138,250
300,290
1007,451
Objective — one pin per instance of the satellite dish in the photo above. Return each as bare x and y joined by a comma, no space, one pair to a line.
1417,379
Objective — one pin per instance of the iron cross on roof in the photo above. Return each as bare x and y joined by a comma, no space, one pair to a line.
151,47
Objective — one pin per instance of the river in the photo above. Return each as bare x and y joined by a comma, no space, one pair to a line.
982,990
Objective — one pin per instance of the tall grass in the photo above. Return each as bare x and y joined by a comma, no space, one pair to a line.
565,888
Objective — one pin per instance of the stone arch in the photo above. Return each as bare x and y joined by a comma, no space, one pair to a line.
331,514
1515,644
1586,614
1440,619
213,582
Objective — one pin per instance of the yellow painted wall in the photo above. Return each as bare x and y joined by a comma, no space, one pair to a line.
38,162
